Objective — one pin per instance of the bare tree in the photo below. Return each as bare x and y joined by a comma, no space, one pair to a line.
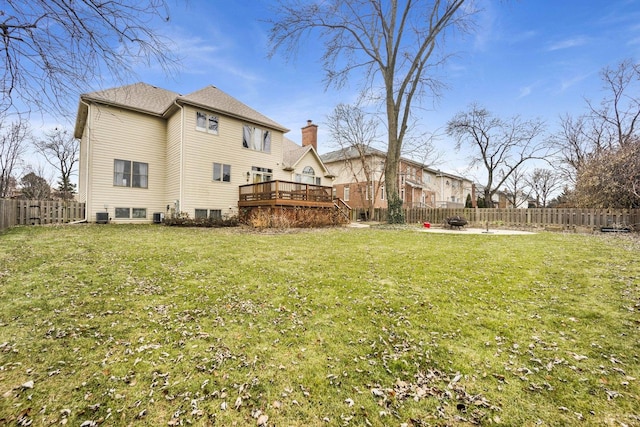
52,49
543,183
610,178
34,187
501,146
60,149
613,123
14,138
620,111
390,43
516,190
355,134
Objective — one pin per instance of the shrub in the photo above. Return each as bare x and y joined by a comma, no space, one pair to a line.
182,219
283,218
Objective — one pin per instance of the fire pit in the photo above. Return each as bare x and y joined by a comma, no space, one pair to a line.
455,221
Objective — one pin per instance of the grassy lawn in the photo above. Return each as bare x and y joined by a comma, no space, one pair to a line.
152,325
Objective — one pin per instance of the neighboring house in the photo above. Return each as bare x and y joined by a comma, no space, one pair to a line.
147,151
359,181
502,200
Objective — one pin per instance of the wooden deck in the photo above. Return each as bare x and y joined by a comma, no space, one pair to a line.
285,193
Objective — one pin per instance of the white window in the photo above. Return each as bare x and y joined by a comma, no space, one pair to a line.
130,174
207,123
308,176
221,172
261,174
255,138
139,213
213,125
136,213
346,193
123,212
369,193
201,121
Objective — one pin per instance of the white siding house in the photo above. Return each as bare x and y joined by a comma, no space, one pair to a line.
147,150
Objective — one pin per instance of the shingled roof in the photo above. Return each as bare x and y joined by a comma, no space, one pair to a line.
139,96
212,98
160,102
292,153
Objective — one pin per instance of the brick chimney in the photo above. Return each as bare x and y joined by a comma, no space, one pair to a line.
310,135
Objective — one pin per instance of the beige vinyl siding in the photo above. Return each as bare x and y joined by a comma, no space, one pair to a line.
172,171
83,166
126,135
310,160
202,149
345,173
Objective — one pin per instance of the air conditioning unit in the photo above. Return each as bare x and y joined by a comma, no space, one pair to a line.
102,217
158,217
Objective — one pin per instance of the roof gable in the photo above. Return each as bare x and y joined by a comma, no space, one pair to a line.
349,153
160,102
139,96
294,153
212,98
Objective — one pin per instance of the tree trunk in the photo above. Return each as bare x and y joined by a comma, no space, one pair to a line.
488,198
394,202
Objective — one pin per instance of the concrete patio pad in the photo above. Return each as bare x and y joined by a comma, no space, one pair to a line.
492,231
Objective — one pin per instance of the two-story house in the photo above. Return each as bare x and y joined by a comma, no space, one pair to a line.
147,151
359,181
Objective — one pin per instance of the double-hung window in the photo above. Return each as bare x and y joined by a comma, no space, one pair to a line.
130,174
255,138
221,172
206,123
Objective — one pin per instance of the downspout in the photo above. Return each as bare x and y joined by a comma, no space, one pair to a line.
86,178
181,188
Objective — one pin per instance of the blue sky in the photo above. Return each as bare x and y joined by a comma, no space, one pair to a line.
533,58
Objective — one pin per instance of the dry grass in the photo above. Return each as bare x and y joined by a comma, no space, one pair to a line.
152,325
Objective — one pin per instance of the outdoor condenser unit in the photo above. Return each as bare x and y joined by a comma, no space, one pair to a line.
158,217
102,217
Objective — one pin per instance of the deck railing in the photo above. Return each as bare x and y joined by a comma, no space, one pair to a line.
285,193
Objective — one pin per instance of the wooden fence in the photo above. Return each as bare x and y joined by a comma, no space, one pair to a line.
35,212
568,218
32,212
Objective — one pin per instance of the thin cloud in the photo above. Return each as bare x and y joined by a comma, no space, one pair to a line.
568,43
633,42
568,83
201,56
522,37
525,91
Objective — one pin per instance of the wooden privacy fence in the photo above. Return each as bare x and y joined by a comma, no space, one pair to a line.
542,217
34,212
